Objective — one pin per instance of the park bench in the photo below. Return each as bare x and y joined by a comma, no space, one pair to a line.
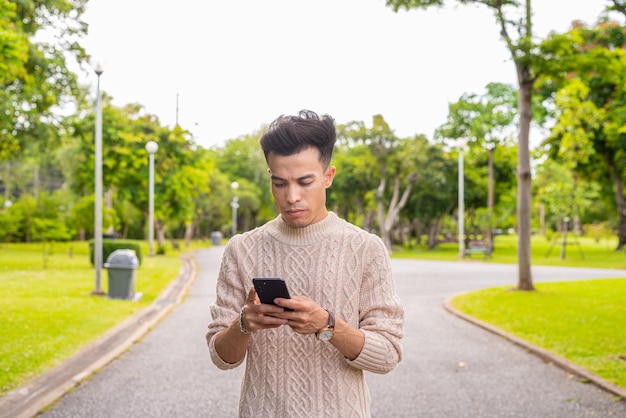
477,247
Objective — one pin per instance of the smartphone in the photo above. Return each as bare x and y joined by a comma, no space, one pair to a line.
270,288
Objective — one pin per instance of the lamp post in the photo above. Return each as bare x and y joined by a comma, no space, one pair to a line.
461,144
97,230
234,204
152,147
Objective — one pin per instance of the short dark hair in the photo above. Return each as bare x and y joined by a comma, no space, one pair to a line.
289,135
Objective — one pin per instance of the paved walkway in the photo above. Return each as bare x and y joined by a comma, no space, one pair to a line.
451,368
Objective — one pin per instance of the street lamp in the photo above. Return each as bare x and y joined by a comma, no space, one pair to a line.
461,144
152,147
234,204
97,230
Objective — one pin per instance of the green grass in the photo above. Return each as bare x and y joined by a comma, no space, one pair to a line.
580,252
49,313
580,321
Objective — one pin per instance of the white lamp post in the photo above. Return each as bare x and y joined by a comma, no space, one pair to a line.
234,204
152,147
461,144
97,230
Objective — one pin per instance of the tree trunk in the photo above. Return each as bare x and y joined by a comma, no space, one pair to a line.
396,204
160,232
109,206
189,228
564,240
490,199
525,280
620,203
433,234
368,225
7,186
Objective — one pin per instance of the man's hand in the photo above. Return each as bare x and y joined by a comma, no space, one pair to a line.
257,316
307,316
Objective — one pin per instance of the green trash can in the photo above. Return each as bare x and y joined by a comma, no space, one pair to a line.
216,238
122,266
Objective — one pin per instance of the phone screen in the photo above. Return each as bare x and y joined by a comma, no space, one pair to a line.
270,288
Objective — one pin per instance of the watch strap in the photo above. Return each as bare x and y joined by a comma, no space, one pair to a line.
330,326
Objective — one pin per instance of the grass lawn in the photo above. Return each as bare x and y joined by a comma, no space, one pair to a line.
579,252
580,321
48,313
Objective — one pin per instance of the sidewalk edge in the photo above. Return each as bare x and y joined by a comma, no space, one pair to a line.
540,352
29,399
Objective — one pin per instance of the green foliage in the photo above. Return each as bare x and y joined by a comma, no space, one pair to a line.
14,52
110,245
562,193
586,76
486,119
9,224
34,76
599,231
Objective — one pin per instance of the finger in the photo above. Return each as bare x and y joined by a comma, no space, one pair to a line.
252,296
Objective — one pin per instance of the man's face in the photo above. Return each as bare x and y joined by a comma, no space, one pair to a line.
299,184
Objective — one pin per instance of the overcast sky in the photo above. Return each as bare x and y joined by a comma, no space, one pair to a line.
236,65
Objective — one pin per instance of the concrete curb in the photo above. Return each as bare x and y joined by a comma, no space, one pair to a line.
540,352
28,400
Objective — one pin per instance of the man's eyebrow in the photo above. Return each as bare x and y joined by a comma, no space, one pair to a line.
306,176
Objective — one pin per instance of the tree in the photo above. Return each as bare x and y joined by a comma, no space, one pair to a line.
14,47
518,37
354,164
180,176
487,121
564,195
394,163
585,81
35,77
241,159
435,195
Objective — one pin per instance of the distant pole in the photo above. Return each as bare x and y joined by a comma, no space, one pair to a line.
461,143
152,147
97,230
234,204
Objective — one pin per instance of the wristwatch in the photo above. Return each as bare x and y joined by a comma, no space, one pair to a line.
325,334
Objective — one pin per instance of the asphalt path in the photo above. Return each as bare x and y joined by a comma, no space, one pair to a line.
451,368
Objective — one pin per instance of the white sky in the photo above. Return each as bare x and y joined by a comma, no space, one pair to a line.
236,65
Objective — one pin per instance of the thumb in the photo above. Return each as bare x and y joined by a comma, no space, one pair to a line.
252,297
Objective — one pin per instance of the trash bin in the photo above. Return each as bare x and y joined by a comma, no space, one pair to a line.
122,266
216,238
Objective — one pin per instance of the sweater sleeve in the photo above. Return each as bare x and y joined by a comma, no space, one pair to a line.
231,295
381,313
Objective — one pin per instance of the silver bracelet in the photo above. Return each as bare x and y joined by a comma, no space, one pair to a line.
242,326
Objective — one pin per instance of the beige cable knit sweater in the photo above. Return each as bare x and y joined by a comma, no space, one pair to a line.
342,268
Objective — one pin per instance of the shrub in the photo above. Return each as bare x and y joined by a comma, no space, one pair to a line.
110,245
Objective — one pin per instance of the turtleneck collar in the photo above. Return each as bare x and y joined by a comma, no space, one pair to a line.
311,234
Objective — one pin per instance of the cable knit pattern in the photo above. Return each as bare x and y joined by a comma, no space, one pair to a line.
342,268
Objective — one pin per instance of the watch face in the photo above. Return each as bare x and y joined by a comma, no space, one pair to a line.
325,335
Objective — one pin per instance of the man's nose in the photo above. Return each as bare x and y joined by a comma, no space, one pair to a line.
293,194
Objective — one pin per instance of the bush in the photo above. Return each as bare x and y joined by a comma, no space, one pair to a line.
109,245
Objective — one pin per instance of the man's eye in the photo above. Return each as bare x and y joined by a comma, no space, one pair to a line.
279,184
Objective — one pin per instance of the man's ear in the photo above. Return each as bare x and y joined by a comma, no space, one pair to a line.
329,176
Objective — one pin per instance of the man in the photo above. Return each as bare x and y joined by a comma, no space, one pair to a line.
306,356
